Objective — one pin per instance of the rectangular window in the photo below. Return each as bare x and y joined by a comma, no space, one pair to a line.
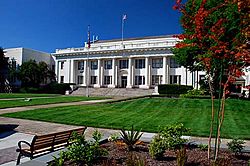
139,80
107,80
62,79
62,65
140,63
94,65
80,65
123,64
156,79
80,80
93,79
173,63
175,79
157,63
108,64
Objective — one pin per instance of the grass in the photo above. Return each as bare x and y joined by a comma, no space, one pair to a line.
24,95
149,114
40,101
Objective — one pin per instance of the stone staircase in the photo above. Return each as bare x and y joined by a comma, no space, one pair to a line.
113,92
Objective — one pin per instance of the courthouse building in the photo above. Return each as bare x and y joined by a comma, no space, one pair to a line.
131,63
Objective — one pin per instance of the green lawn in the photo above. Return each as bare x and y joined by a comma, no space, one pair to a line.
40,101
23,95
149,114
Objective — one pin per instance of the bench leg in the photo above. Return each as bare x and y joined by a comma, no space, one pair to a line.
18,158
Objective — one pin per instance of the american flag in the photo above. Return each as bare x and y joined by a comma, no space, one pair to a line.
124,17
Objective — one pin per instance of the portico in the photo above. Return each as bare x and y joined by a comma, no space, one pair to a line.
135,63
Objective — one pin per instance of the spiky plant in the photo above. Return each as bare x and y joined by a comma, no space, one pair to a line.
130,137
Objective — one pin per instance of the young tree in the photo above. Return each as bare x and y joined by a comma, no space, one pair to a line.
3,69
215,37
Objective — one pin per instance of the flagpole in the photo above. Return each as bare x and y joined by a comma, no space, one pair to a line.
87,66
122,28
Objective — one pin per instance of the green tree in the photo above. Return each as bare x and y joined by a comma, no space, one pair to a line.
3,69
32,74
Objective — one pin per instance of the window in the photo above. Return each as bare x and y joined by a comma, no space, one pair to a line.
62,79
62,65
80,65
123,64
108,64
140,63
174,64
93,79
94,65
80,80
175,79
139,80
156,79
107,80
157,63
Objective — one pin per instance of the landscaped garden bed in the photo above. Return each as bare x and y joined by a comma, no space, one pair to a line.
166,148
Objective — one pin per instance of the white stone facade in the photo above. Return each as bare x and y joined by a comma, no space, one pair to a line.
133,63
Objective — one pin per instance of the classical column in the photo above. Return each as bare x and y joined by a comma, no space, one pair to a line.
102,73
69,70
98,74
129,79
57,70
72,72
168,71
85,72
113,73
164,68
146,72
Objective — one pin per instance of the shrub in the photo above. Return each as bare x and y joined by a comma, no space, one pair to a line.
85,151
113,137
59,161
173,89
181,156
195,93
130,137
157,147
236,146
169,137
56,88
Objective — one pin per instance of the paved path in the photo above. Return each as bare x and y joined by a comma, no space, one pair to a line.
18,109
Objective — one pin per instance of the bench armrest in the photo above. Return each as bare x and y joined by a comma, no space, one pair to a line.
20,144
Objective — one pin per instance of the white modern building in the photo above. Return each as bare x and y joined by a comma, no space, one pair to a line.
19,55
131,63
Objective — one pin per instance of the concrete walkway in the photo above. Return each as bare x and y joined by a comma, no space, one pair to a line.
18,109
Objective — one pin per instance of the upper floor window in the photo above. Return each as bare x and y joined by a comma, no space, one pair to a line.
80,65
157,63
108,64
140,63
123,64
94,65
62,64
173,63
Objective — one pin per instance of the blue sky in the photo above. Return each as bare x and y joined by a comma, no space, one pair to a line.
46,25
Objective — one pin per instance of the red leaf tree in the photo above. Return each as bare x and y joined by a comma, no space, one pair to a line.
215,38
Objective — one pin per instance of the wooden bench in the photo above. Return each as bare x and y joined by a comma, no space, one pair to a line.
46,143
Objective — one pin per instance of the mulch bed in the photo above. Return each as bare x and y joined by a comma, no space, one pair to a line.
120,156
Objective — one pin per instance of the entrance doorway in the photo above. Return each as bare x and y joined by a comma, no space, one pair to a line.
123,81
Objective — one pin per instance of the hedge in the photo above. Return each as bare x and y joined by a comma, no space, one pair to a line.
173,89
